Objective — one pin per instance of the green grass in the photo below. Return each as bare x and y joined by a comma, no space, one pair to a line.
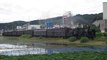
95,42
62,56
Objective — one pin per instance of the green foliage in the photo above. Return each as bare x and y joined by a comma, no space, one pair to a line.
105,34
26,36
62,56
101,38
90,18
99,34
104,37
84,39
97,29
72,39
11,25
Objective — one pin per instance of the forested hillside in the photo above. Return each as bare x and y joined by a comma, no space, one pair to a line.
89,18
86,18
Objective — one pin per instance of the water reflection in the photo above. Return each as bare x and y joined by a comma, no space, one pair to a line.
13,46
24,51
10,46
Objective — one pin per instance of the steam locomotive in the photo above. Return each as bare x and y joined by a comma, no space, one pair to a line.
56,32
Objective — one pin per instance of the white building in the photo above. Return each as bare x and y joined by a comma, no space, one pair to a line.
31,27
104,10
19,27
103,23
28,27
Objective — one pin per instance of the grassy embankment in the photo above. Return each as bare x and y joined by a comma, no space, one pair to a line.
100,40
61,56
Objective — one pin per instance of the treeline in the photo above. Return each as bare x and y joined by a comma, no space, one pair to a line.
86,18
89,18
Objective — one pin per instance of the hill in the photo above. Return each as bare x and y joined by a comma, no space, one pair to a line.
84,19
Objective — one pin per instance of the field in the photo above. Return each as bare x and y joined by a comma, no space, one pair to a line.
62,56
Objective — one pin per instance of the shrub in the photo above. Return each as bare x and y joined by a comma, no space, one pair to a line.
103,38
105,34
99,34
84,39
72,39
26,36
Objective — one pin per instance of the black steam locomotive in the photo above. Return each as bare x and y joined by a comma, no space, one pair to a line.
56,32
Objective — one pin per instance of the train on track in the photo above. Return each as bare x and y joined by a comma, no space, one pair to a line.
56,32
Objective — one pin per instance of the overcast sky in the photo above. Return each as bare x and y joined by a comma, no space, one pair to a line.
27,10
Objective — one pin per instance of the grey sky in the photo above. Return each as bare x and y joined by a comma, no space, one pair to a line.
27,10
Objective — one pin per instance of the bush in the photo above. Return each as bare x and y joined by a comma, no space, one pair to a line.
103,38
26,36
72,39
84,39
97,38
105,34
99,34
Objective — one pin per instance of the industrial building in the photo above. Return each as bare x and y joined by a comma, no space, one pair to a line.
58,22
103,23
28,27
104,10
